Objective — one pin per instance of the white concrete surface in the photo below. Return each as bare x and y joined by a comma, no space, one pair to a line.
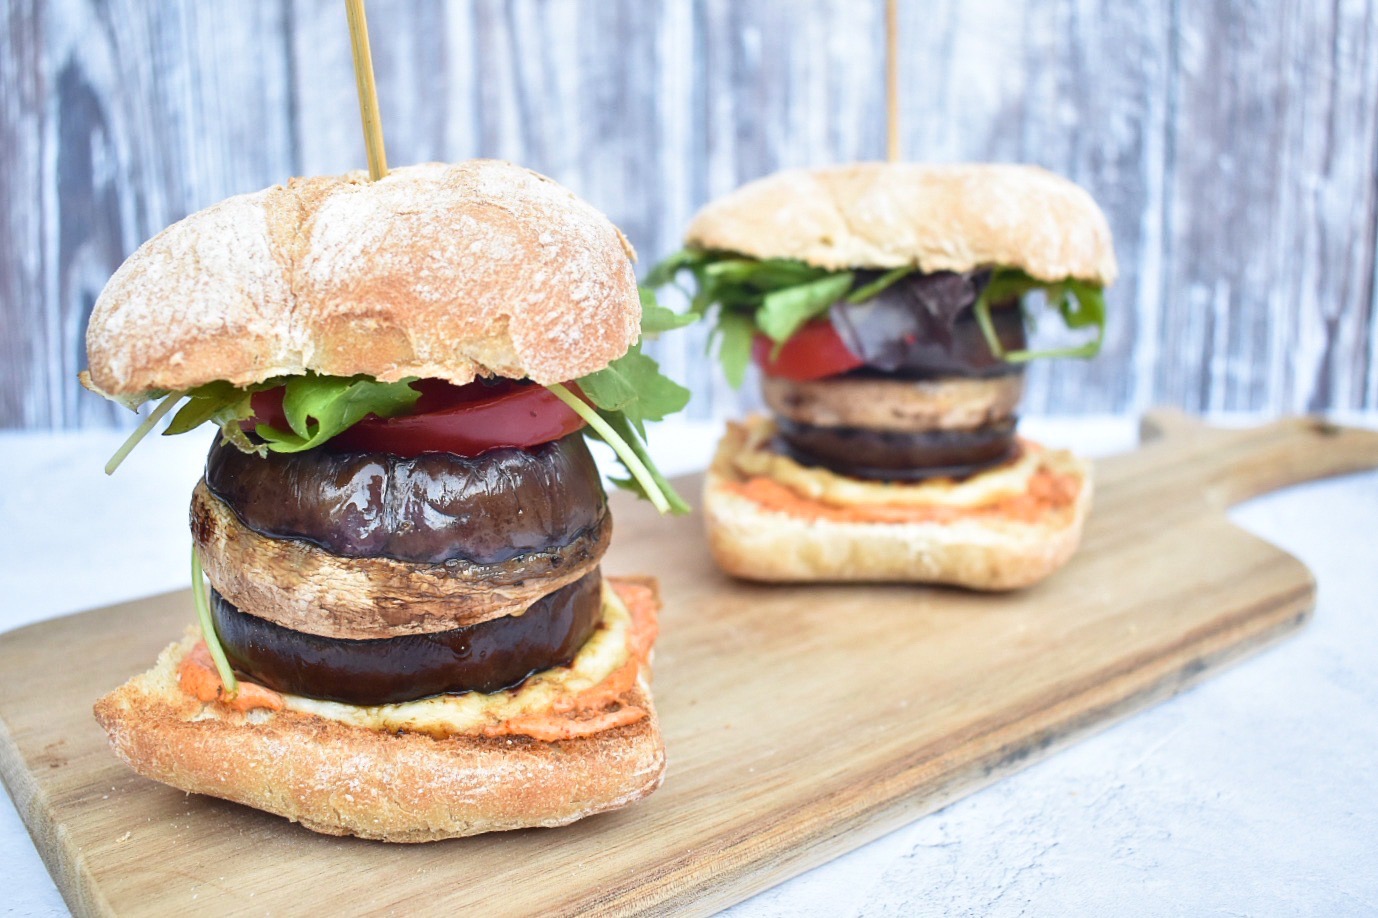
1252,794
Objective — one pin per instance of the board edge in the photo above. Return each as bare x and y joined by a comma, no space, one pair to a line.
65,865
866,824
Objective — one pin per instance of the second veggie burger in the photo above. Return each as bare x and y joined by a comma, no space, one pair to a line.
885,305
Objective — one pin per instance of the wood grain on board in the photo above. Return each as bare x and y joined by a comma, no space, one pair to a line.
1234,145
800,721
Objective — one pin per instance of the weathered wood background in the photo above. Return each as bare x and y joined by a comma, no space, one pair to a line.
1233,143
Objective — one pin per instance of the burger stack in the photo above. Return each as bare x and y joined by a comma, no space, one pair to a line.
408,635
887,307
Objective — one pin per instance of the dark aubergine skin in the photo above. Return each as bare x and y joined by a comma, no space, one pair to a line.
487,657
888,456
966,354
923,327
431,509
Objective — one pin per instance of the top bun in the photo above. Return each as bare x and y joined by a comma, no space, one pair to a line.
935,218
437,271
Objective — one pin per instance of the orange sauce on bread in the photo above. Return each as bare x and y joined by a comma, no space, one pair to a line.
199,677
1047,491
591,711
598,708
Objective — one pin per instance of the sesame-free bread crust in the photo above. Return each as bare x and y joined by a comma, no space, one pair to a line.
397,787
934,217
436,271
751,541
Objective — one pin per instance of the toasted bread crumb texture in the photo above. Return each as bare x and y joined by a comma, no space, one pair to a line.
980,549
393,786
933,217
440,271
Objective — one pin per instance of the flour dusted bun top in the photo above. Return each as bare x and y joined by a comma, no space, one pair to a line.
933,217
437,271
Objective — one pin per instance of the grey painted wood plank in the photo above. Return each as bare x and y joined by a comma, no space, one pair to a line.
1332,198
1234,146
1070,86
139,122
22,129
1271,234
1100,104
1225,202
783,85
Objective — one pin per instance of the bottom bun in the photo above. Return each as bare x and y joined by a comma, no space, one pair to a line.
755,542
391,786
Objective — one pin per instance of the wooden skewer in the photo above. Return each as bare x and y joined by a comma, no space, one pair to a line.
892,79
368,92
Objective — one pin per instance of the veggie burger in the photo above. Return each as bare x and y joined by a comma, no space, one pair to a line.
886,305
407,634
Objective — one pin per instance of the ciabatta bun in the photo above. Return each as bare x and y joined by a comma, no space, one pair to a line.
933,217
439,271
399,787
755,542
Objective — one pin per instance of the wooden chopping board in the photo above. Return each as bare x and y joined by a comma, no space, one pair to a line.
801,721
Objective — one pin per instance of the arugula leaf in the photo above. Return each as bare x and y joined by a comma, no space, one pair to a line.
656,318
630,391
775,297
168,402
626,394
1008,283
208,634
664,273
614,429
224,404
633,386
1078,303
1089,308
205,403
735,333
608,389
784,310
623,428
879,285
319,407
768,274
